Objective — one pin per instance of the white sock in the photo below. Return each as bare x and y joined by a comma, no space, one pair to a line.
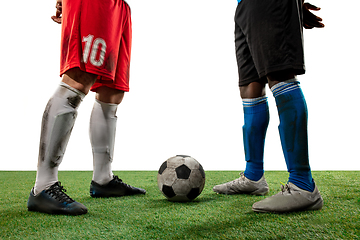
57,123
102,136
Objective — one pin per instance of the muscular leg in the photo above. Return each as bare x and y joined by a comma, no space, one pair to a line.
58,121
292,112
293,128
102,132
256,119
102,136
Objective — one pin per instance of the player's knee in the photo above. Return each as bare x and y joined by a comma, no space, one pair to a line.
253,90
109,95
79,79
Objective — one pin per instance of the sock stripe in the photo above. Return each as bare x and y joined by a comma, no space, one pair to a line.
251,102
285,87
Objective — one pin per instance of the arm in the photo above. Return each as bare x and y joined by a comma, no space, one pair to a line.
57,17
309,19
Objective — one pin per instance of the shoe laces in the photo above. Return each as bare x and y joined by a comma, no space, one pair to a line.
236,182
58,192
285,188
117,180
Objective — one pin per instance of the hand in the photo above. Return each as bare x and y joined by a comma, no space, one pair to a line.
309,19
58,18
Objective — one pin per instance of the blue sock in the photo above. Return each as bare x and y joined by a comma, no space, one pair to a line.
256,121
292,112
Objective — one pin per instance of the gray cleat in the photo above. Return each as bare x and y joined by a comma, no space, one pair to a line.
291,198
243,185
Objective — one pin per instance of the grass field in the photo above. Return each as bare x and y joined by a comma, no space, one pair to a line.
210,216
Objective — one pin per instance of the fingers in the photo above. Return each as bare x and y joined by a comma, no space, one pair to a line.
313,21
57,18
311,7
310,20
58,8
310,17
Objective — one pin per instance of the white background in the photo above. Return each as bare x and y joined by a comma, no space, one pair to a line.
184,97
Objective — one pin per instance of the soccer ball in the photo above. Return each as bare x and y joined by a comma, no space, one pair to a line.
181,178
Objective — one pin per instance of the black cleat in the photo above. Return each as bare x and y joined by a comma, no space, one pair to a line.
115,188
54,200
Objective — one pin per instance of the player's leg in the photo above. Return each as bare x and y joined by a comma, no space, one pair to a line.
109,94
292,111
102,132
58,121
300,193
102,136
256,119
57,124
252,92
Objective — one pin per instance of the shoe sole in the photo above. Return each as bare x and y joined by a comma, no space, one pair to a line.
101,194
259,192
110,195
97,192
58,212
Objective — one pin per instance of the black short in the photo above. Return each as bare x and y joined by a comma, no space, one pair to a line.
268,38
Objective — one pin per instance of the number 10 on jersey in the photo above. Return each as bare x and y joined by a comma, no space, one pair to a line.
92,52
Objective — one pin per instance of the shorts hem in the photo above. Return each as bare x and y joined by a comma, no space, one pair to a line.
298,69
106,79
251,80
92,71
98,85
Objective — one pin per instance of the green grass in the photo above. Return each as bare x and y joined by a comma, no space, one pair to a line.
210,216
